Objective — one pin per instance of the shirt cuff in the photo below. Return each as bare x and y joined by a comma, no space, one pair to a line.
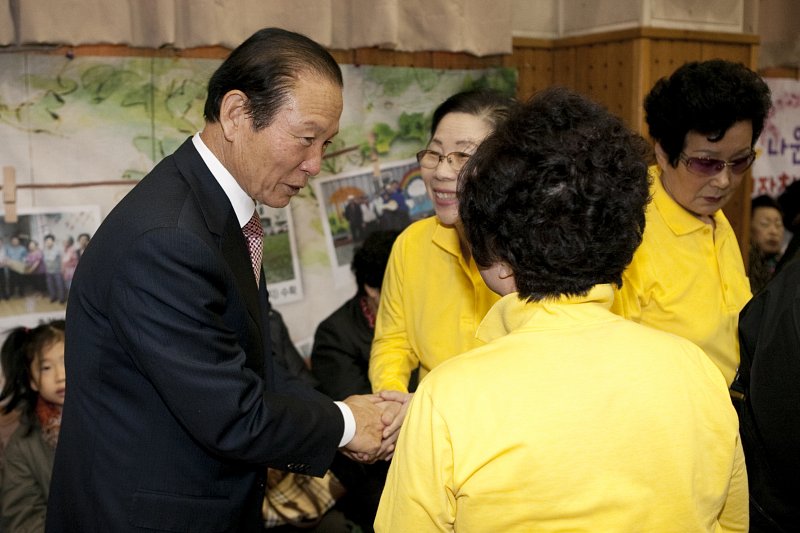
349,424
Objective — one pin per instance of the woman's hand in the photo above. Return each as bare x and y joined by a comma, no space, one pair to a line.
394,407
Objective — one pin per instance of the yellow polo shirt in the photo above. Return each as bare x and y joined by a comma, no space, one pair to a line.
569,419
432,302
687,278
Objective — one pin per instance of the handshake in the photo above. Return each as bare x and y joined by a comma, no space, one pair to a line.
378,420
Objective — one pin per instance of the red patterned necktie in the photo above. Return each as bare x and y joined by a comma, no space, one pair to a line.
254,235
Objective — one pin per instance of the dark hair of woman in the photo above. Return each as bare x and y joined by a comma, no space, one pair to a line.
707,97
558,192
493,106
265,68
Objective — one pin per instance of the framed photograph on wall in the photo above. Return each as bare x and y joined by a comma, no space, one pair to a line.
281,262
38,257
354,204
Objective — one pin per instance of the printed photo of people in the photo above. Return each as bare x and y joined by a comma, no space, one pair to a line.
38,257
354,204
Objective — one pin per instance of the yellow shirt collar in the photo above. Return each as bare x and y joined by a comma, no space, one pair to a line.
510,313
678,220
446,238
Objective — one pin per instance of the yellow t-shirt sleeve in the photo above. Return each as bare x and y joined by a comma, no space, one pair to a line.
391,357
419,494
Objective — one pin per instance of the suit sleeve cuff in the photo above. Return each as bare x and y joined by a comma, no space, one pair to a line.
349,424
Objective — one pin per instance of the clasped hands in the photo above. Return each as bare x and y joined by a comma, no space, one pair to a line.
378,420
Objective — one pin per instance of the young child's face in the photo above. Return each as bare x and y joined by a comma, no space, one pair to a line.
48,376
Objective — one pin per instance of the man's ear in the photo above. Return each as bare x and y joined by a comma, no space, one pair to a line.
233,113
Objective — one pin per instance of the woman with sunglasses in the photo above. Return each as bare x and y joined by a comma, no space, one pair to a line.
433,297
688,277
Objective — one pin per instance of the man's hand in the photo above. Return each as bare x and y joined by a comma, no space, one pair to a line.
369,427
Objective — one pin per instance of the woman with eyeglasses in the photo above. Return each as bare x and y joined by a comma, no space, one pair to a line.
433,297
688,277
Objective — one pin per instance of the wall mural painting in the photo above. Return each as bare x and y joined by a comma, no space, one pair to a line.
96,125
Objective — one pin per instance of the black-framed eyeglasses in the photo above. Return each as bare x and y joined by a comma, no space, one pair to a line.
430,159
707,167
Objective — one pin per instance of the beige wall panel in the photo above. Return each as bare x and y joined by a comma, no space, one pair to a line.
708,15
69,21
579,17
6,23
364,23
535,18
229,22
474,26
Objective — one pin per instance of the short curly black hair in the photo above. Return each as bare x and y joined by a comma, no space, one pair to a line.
558,192
707,97
369,261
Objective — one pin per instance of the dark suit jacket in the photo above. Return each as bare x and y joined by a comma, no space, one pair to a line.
769,375
173,410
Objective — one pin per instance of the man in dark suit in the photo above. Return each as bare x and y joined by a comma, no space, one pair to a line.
175,408
769,412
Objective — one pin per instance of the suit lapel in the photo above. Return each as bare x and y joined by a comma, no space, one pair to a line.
222,222
234,248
